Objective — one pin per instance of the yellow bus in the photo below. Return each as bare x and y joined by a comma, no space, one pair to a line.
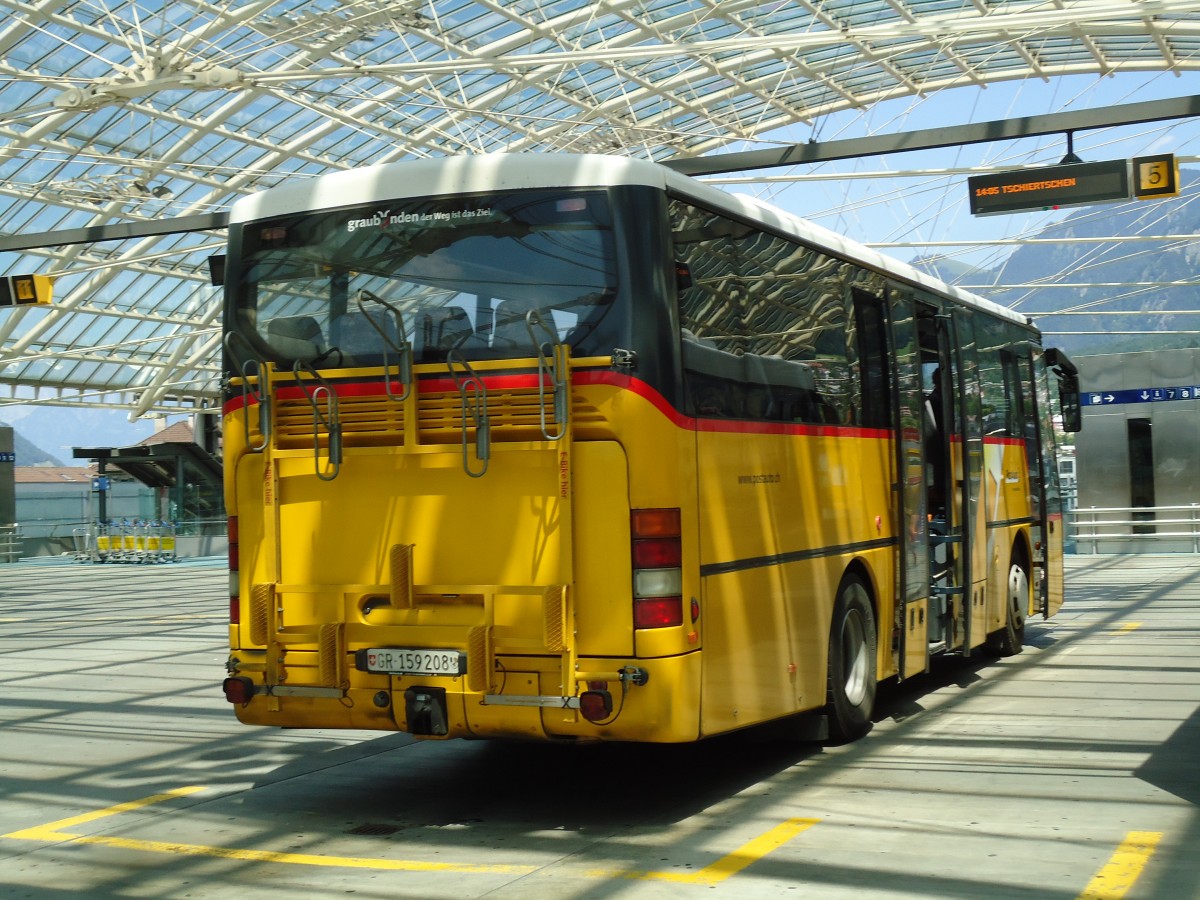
578,448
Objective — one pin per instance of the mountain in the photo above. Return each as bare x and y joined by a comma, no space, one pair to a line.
1114,272
53,432
28,454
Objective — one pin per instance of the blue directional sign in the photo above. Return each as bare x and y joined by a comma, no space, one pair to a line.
1140,395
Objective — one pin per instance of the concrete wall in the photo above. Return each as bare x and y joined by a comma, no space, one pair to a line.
1103,446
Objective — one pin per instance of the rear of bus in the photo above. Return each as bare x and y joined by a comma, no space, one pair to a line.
454,480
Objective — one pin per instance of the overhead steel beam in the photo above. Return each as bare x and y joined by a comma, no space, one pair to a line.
723,163
120,231
934,138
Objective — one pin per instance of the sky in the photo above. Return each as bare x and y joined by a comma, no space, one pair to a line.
873,200
844,196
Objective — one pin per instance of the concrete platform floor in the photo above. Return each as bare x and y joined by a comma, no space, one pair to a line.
1069,771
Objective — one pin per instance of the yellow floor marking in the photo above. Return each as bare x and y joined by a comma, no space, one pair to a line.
713,874
1127,627
54,830
727,865
307,859
1123,868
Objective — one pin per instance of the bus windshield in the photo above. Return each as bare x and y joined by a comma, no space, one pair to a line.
463,273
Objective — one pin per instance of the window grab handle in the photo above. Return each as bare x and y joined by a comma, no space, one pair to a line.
554,365
329,419
255,387
402,347
473,393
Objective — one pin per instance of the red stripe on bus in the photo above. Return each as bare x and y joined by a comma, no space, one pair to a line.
442,384
724,426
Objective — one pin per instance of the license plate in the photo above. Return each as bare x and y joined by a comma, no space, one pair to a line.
411,661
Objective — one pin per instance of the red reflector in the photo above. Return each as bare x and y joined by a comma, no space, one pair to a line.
657,612
659,553
595,705
695,609
238,689
235,611
655,523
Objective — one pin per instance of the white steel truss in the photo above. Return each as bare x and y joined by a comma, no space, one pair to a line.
114,111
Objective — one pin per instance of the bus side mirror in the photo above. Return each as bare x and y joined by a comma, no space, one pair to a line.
216,270
1068,402
1068,388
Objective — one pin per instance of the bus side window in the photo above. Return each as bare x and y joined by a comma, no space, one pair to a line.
714,378
788,387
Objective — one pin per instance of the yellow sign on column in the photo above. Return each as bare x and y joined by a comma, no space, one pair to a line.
24,289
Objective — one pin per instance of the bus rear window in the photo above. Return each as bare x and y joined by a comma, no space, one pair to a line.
465,274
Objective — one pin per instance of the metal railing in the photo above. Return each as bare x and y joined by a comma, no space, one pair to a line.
1135,529
10,543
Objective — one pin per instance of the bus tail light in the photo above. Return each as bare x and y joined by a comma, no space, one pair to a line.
657,612
657,554
595,706
235,606
238,689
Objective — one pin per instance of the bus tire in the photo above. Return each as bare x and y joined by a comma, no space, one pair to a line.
851,676
1009,639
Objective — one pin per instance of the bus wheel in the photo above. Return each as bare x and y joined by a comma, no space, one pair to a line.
1009,639
852,681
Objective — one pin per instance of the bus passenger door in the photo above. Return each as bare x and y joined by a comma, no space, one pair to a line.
958,618
1038,431
969,510
909,493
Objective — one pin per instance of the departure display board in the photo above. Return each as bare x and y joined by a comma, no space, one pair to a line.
1050,187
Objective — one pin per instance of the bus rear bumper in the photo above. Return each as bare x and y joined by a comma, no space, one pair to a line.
658,702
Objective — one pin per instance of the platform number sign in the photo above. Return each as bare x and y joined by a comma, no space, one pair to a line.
1155,176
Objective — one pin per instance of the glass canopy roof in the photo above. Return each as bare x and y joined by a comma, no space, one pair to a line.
124,112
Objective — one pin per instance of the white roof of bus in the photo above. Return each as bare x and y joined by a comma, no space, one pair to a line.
441,176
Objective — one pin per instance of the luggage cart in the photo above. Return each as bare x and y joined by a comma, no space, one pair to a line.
128,541
85,549
104,541
166,539
154,542
141,536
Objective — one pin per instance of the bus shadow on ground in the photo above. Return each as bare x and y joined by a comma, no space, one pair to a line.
540,786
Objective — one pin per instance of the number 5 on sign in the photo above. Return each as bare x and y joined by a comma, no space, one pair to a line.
1155,176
